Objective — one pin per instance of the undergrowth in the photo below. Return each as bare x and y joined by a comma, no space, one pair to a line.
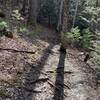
84,39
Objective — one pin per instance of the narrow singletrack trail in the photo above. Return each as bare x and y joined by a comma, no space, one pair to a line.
46,75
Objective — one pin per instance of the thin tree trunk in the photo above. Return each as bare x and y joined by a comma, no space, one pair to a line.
97,3
76,9
24,6
66,25
59,26
33,11
66,18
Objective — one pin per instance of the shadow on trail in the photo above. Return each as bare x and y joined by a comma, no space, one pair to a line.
28,88
33,75
59,83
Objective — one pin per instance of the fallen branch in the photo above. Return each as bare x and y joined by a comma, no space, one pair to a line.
20,51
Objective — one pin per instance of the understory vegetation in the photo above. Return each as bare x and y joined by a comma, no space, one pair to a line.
49,49
86,31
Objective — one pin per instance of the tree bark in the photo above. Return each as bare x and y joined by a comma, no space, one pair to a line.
66,24
76,10
97,3
25,3
33,11
66,18
59,26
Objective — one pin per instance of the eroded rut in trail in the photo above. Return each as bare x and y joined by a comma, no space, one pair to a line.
46,75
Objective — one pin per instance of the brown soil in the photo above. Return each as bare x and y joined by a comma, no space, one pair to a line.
46,75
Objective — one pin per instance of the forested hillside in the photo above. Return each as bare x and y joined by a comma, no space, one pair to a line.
49,49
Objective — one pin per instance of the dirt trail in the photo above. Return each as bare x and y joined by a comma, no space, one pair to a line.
47,74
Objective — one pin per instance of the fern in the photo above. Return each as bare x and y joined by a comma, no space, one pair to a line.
87,39
3,24
73,36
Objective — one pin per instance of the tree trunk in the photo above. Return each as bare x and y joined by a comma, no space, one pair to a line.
66,24
66,18
25,3
97,3
59,26
76,10
33,11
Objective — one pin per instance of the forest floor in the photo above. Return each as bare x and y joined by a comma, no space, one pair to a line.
46,74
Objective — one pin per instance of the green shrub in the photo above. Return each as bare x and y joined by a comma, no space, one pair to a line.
23,30
16,14
3,25
86,40
90,2
87,17
83,39
73,36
